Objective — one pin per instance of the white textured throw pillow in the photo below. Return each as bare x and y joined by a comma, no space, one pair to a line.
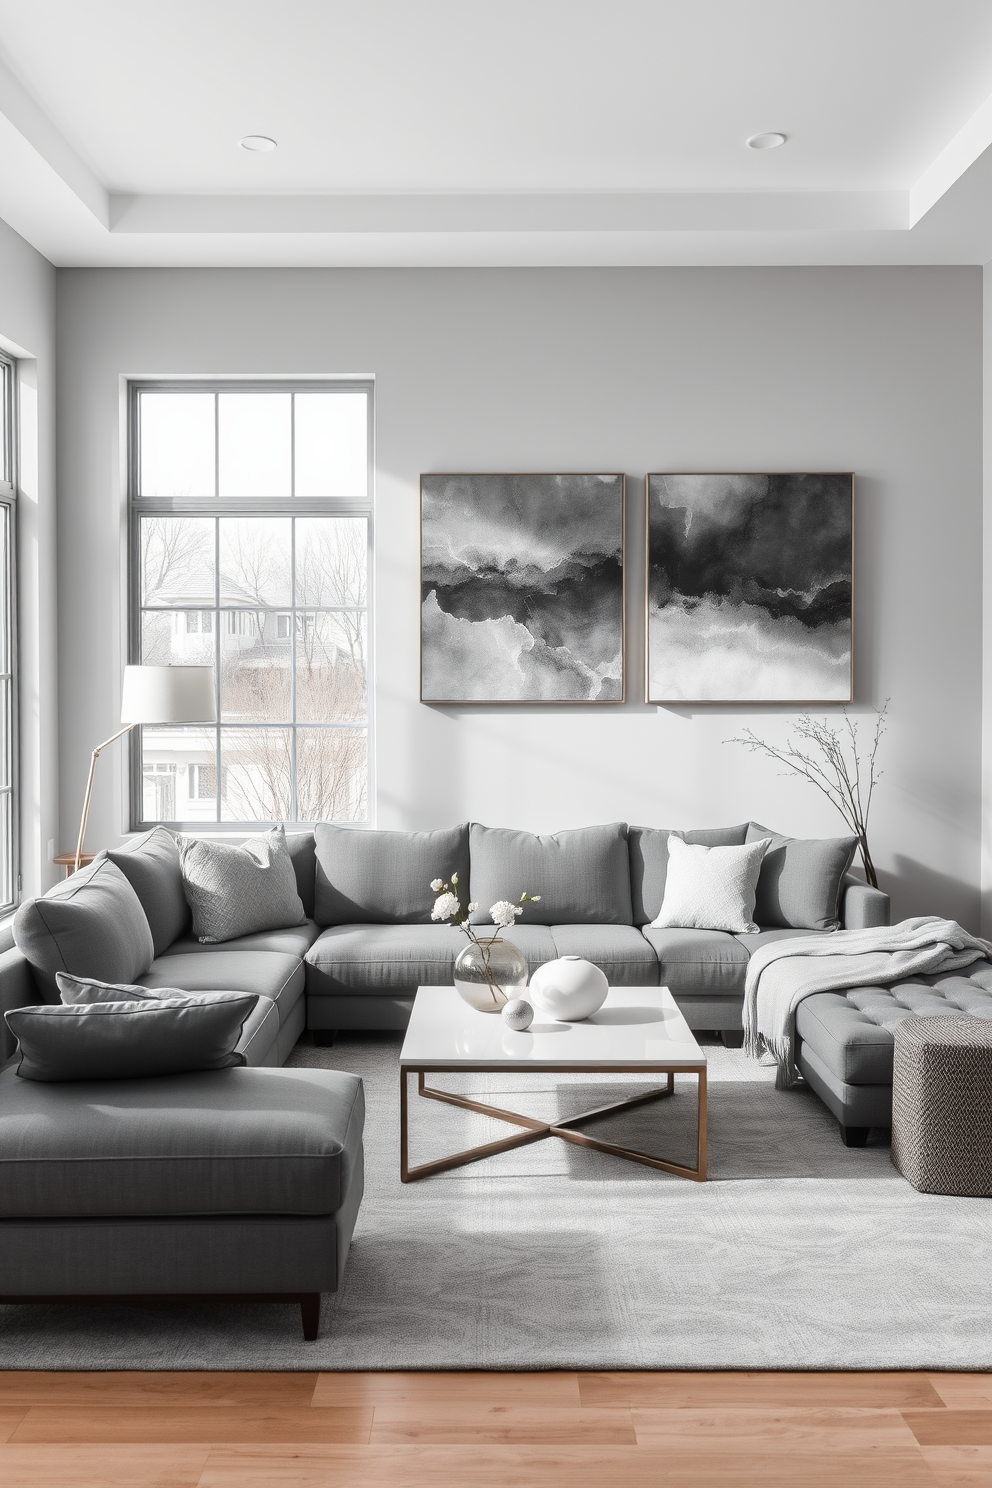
235,891
711,888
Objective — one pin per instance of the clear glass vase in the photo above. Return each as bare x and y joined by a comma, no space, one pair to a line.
489,974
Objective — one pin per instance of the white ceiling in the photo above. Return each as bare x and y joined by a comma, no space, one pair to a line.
497,131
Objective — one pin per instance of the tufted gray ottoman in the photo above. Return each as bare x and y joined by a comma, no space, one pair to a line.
845,1040
942,1105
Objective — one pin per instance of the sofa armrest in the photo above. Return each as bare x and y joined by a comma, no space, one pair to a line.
861,906
17,989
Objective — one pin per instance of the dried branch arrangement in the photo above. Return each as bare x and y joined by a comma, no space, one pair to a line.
834,760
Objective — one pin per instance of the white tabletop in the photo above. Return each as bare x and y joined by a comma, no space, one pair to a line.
635,1026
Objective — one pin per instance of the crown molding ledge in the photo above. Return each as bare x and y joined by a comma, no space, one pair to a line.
685,211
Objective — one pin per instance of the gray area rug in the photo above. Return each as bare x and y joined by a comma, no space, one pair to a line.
798,1253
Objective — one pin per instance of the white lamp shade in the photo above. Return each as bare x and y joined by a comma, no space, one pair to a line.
168,694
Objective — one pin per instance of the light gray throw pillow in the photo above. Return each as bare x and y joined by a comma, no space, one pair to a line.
384,878
78,991
129,1040
151,866
242,890
91,925
710,888
800,883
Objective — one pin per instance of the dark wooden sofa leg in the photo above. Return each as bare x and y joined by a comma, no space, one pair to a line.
310,1313
854,1136
733,1038
323,1038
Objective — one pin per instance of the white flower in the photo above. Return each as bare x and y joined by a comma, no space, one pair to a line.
454,879
446,906
437,884
504,913
472,908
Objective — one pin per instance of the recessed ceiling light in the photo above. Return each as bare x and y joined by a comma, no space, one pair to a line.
760,141
257,142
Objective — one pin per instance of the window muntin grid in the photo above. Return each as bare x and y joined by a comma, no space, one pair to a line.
272,589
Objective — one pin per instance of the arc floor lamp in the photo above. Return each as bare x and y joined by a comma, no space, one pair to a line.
156,694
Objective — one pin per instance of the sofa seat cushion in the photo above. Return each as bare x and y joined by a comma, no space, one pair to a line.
382,959
294,940
619,950
704,962
851,1032
267,1141
270,974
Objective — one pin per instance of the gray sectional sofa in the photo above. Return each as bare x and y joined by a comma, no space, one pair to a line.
367,941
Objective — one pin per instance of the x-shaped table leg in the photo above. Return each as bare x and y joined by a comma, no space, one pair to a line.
536,1131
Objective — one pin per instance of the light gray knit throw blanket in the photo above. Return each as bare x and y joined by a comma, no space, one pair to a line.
780,975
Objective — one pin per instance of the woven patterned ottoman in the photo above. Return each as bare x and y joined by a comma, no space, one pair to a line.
942,1104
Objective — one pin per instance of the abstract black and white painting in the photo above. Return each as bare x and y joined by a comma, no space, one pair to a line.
749,588
522,597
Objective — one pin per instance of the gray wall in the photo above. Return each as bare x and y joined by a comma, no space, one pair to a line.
875,370
27,329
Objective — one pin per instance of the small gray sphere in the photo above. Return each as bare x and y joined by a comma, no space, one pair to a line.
518,1015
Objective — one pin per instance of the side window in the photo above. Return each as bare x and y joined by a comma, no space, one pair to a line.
250,550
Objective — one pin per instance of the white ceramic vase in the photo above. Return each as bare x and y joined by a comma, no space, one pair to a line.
569,989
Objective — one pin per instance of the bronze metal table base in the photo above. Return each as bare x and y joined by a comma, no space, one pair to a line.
536,1131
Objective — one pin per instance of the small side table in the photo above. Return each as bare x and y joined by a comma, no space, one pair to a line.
67,861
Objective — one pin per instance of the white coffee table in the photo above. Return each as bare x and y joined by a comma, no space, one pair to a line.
638,1031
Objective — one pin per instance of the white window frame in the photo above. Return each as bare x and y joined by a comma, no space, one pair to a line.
213,506
10,892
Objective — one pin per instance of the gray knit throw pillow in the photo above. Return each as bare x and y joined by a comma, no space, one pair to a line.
236,891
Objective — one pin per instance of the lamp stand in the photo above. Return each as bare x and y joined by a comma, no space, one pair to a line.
89,789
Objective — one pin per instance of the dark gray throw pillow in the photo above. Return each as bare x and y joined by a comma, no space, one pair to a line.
800,882
384,878
91,925
649,862
582,876
242,890
129,1040
151,867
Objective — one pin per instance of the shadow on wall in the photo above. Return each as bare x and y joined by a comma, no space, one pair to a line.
916,889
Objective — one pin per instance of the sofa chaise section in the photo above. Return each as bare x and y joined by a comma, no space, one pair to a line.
234,1183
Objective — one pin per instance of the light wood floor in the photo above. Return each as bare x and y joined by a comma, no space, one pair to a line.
495,1430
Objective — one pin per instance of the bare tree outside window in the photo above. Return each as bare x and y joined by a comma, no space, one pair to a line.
273,593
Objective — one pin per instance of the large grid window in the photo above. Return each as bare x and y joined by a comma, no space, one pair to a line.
249,550
8,492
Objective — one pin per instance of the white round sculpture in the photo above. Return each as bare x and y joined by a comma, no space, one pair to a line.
569,989
518,1014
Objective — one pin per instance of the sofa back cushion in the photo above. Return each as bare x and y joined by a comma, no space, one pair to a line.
582,876
384,878
800,883
91,925
649,862
302,850
151,866
239,890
